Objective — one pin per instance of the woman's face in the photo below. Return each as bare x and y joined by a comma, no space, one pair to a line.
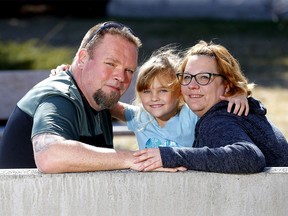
201,98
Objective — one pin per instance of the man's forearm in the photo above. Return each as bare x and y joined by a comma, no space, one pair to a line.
62,156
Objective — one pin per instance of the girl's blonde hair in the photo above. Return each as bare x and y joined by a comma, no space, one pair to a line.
163,64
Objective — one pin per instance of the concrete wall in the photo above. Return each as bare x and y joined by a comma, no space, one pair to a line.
124,192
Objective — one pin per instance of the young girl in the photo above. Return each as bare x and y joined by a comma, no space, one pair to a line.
159,116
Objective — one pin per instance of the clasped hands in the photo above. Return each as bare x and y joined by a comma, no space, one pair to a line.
150,160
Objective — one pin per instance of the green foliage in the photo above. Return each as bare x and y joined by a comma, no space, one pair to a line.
32,55
260,46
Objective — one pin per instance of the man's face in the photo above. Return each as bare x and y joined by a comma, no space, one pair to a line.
106,76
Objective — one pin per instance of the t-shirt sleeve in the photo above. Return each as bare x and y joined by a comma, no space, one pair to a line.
57,115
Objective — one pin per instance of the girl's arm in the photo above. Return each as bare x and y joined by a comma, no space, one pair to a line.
118,111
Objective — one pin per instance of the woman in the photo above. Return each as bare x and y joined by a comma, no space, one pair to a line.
224,142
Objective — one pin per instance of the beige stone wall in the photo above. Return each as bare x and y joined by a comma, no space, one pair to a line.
125,192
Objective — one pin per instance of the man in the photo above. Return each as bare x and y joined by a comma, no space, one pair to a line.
62,124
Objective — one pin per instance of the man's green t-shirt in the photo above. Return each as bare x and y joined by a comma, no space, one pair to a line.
55,106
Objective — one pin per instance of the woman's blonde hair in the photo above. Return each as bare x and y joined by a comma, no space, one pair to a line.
227,65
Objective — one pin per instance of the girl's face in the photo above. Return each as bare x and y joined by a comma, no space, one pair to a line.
160,101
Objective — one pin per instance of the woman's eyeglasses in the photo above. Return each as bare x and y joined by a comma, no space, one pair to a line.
201,78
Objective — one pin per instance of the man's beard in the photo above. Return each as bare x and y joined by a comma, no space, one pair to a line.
106,101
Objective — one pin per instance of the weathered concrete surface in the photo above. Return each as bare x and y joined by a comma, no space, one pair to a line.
28,192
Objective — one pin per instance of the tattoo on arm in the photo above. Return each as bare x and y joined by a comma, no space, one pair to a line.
41,142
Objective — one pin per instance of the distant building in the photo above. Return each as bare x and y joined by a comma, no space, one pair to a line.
223,9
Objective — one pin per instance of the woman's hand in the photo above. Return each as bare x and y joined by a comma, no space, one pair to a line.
240,103
59,69
150,160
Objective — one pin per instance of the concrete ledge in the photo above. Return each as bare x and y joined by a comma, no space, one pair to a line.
125,192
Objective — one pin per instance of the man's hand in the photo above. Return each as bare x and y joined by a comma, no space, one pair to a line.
239,102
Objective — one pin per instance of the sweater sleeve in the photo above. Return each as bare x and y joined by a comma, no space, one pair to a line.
222,146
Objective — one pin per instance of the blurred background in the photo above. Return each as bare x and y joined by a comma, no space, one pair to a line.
39,35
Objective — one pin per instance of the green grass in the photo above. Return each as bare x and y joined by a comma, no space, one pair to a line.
32,55
260,46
